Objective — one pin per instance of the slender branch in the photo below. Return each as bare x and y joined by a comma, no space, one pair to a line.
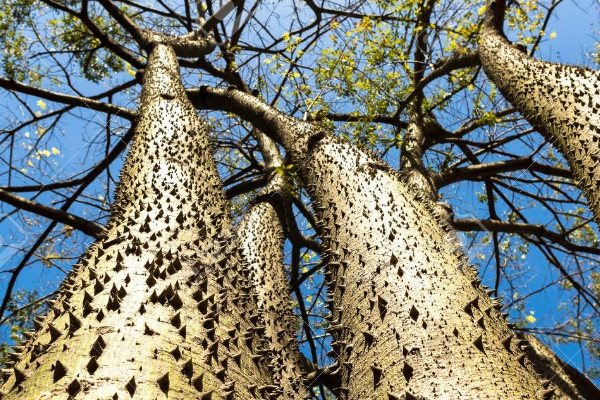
127,23
104,38
478,171
82,224
484,225
88,102
245,187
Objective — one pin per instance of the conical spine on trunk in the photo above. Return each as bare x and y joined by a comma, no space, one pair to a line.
154,309
561,101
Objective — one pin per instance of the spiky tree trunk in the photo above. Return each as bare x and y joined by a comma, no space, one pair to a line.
549,367
569,382
410,319
561,101
409,316
261,238
158,308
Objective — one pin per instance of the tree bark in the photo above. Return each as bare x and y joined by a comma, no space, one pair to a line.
569,382
410,319
158,308
261,239
561,101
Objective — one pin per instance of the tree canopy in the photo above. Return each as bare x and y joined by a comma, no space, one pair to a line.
402,79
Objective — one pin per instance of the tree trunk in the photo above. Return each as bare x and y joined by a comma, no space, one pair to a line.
158,308
561,101
570,383
261,239
410,319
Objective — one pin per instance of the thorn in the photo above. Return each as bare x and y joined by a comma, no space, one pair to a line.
19,375
74,322
414,313
74,388
479,344
151,281
206,395
54,333
377,372
163,383
92,366
506,342
59,371
176,320
98,287
176,353
148,331
176,302
97,347
369,338
198,383
407,371
131,386
188,369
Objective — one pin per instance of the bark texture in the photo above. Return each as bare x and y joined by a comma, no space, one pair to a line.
410,319
569,382
261,238
411,159
561,101
158,308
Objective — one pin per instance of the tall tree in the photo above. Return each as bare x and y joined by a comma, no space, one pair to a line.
408,314
561,101
261,240
155,309
406,307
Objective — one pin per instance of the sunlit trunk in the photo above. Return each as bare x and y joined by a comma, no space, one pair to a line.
410,319
261,239
159,308
561,101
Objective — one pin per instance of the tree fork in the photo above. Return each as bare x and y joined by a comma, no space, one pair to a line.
158,307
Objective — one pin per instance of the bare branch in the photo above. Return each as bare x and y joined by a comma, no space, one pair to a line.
88,102
82,224
478,171
520,228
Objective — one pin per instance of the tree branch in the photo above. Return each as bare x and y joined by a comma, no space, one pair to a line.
88,102
484,225
478,171
85,226
192,44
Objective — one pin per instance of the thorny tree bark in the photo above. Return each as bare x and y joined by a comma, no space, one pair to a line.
409,317
570,383
261,238
561,101
159,307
